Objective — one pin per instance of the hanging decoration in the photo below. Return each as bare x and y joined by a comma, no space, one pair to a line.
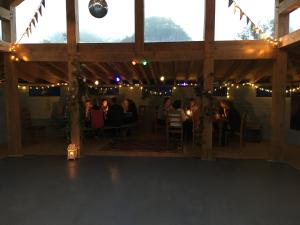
28,31
253,26
98,8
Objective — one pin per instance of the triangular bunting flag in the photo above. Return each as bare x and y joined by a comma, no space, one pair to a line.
27,32
230,3
43,3
36,16
29,28
40,10
33,22
234,9
248,20
252,26
241,14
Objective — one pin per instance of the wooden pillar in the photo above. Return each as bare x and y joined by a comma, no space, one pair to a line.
208,76
13,116
72,37
139,26
279,86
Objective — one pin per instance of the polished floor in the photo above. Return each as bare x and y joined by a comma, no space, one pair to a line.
147,191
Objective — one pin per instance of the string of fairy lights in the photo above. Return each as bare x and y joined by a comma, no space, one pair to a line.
154,90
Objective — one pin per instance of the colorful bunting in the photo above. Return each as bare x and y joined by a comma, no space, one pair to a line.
241,14
248,20
255,28
40,10
34,20
36,16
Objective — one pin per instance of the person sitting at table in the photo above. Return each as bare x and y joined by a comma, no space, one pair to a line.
177,106
231,115
130,111
163,111
115,114
195,112
186,123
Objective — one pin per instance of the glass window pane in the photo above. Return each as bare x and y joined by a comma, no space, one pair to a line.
116,26
51,26
174,20
294,20
1,30
230,27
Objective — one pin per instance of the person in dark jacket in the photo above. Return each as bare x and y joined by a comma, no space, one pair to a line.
115,114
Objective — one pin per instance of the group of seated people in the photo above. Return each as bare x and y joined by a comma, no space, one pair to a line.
190,116
109,113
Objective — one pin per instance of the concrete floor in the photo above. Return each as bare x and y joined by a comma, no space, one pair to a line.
147,191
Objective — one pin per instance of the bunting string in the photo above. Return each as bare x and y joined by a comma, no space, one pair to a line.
33,21
255,28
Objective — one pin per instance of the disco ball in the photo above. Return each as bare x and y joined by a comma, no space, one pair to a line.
98,8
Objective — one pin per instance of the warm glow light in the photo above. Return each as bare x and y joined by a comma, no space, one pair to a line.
24,88
96,82
189,112
12,57
25,58
162,78
134,62
131,88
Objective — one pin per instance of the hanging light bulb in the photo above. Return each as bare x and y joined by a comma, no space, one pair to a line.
97,82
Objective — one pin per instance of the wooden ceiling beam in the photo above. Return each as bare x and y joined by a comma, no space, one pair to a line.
15,3
4,14
262,73
33,70
98,72
237,50
224,50
245,71
288,6
152,72
290,39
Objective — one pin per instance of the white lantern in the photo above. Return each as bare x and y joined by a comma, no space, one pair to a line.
72,151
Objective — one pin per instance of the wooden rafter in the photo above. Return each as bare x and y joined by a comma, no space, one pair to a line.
287,6
239,76
290,39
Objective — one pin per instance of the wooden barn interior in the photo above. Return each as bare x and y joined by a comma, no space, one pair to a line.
56,169
262,64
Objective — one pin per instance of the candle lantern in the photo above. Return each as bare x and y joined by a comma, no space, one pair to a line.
72,151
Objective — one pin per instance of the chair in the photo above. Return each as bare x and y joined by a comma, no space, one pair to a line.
174,128
197,132
157,124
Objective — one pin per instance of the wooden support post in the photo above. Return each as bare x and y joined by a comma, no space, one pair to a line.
139,26
13,116
279,87
72,36
208,73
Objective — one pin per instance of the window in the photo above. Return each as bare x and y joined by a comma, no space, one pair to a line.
51,26
294,20
230,27
174,20
1,30
116,26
